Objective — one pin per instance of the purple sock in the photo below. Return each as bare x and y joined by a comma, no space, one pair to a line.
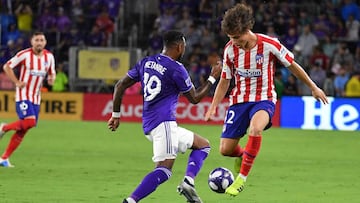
150,182
196,160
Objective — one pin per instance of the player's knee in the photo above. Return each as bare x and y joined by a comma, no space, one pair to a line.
28,123
255,130
21,133
200,142
205,143
225,151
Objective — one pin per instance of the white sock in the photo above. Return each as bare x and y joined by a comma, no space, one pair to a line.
243,177
130,200
190,179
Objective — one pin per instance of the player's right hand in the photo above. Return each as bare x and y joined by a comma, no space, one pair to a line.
210,113
113,123
20,84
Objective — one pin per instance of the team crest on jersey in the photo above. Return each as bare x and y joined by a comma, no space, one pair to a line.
46,64
259,58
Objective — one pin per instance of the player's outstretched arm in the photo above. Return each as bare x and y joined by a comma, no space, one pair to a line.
195,95
299,72
119,91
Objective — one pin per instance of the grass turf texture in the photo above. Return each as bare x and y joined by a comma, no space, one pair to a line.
74,162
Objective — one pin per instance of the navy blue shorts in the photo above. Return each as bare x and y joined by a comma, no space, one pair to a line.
238,116
26,108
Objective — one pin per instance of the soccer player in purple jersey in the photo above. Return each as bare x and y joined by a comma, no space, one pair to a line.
163,79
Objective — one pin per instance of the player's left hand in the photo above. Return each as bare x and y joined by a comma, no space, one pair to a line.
50,80
319,95
113,123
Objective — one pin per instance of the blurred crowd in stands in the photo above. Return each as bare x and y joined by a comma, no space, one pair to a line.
322,34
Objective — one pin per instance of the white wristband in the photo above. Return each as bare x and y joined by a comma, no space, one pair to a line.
116,114
211,79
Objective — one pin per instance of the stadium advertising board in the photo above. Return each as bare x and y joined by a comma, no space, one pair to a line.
99,107
61,106
7,104
307,113
54,106
103,64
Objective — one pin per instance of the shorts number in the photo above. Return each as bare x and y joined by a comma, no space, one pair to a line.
230,117
152,86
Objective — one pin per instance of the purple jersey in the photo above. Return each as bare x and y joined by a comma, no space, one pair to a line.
162,80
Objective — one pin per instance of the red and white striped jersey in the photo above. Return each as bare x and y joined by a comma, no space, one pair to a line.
254,69
33,70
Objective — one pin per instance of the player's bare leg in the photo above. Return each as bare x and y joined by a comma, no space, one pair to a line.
257,124
230,147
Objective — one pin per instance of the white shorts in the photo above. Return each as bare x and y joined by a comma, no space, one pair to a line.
169,139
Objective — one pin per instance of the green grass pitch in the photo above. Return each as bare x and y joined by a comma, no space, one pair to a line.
75,162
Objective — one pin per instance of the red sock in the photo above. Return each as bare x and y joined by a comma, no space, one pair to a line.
251,150
20,125
238,151
14,143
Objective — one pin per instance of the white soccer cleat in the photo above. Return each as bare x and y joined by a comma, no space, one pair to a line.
5,163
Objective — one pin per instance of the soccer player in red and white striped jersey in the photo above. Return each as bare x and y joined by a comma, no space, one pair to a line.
250,59
35,64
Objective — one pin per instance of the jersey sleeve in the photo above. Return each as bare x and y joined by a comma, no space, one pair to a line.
285,56
182,79
51,71
16,60
227,64
134,72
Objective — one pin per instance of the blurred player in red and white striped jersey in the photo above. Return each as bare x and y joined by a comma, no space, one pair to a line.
35,64
250,59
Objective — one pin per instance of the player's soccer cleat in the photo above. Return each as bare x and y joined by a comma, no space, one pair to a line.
2,132
5,163
236,187
188,190
237,164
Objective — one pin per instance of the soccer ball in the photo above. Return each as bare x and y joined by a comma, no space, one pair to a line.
220,179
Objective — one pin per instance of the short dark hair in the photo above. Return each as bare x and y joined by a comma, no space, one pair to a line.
35,33
172,37
238,19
